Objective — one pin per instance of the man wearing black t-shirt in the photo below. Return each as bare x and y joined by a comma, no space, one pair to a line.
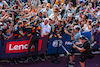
85,50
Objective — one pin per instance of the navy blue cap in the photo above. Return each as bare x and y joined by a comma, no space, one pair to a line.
82,1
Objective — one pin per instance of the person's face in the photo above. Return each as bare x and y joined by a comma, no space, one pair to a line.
98,24
70,5
69,18
82,19
50,21
26,11
47,7
3,13
89,22
94,11
32,7
54,7
44,13
90,5
26,22
5,6
39,7
45,22
75,30
95,26
81,40
82,4
81,14
59,23
39,14
44,3
82,22
21,25
56,13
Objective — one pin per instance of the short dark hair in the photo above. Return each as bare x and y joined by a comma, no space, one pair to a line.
50,19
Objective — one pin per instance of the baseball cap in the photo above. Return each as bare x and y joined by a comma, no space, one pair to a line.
83,37
81,1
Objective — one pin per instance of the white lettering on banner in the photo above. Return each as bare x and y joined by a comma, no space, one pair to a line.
10,47
55,43
68,43
16,47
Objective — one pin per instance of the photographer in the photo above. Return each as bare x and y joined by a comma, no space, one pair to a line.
85,50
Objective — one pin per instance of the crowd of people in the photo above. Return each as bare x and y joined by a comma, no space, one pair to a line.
32,18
